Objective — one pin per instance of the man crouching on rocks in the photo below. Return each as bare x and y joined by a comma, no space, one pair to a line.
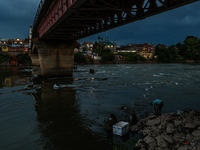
157,104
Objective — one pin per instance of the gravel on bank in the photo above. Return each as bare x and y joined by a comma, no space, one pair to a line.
173,131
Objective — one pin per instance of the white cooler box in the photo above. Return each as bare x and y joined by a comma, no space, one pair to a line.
121,128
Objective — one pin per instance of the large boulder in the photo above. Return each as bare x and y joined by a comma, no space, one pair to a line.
183,148
161,142
134,128
177,122
170,128
168,138
147,131
196,133
197,122
188,120
192,113
153,122
198,147
189,137
191,125
150,141
165,118
178,137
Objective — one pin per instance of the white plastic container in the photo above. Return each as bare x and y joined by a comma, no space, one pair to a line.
121,128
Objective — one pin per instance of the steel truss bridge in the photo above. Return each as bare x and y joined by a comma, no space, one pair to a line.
76,19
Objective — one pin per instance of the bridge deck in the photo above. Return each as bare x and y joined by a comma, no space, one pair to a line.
76,19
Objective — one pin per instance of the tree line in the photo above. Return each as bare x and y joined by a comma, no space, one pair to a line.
188,50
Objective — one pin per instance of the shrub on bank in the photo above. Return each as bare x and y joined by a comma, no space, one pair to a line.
4,57
107,57
79,58
168,54
23,58
132,57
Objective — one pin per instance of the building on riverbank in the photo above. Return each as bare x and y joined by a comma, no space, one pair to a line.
130,48
88,45
4,48
110,45
3,45
145,50
14,47
3,42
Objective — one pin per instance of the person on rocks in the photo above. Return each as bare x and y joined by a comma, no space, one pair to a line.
157,104
133,118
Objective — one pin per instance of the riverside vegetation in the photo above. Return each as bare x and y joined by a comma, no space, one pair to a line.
22,59
4,58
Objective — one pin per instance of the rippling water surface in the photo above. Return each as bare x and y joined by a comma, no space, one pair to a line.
69,113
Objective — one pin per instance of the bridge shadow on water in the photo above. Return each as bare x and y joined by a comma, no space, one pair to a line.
59,121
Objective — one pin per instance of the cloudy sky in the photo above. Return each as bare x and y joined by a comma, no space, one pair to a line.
167,28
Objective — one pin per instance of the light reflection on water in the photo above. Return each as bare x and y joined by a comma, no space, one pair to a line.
69,113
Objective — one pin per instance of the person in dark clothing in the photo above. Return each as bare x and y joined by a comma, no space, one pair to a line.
75,67
133,118
157,104
92,71
109,125
110,122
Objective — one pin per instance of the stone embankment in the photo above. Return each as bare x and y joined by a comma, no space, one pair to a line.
174,131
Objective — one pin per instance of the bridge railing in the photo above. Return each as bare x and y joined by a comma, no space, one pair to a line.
38,11
43,7
48,13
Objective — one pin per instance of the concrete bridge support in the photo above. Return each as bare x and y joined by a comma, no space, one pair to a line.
56,58
35,59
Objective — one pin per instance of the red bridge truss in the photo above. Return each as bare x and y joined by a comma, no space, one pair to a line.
76,19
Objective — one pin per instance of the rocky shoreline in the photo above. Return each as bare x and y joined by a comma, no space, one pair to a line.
173,131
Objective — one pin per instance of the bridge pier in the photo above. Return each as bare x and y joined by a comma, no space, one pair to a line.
56,58
35,59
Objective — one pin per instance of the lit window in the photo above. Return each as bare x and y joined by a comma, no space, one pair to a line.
111,45
108,46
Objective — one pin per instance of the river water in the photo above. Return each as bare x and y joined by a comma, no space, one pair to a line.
69,113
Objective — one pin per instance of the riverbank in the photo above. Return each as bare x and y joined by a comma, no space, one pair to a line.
173,131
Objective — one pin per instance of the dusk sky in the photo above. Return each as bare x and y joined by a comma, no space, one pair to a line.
167,28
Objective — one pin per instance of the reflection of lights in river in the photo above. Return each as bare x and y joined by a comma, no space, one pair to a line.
8,82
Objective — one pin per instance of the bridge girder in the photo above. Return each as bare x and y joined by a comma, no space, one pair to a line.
77,19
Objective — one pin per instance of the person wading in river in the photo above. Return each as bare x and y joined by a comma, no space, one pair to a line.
109,125
133,118
157,104
110,122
